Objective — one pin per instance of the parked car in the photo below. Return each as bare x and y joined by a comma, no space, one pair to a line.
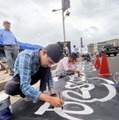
109,49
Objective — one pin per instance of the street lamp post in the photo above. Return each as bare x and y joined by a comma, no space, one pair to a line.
63,20
63,24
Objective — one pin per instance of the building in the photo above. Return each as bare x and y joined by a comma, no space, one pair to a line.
114,42
96,47
92,48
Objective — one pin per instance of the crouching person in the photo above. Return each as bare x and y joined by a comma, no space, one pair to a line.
65,65
32,66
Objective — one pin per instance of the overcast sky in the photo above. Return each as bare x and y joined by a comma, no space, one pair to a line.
34,22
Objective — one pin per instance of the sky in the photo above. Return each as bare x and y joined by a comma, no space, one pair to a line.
33,21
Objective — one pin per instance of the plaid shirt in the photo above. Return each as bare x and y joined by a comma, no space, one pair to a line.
26,65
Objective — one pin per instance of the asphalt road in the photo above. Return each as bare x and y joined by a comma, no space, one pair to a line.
94,99
113,64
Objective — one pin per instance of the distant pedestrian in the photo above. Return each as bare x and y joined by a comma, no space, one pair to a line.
66,49
76,50
10,45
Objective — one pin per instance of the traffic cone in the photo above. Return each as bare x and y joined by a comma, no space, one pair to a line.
97,62
104,70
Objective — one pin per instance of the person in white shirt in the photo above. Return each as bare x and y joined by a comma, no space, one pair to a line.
76,50
65,64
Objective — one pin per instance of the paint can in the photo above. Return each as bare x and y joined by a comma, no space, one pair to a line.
5,107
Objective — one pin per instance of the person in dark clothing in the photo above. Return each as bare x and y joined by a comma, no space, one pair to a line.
32,66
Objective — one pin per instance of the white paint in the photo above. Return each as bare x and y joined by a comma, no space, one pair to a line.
83,78
94,68
64,113
42,109
84,66
111,94
87,110
70,85
72,77
103,79
85,90
86,94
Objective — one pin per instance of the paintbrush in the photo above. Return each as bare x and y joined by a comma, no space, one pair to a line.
60,97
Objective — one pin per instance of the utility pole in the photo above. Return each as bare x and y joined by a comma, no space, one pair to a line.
63,22
65,5
81,43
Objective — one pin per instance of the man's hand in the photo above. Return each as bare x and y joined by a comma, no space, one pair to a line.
56,101
78,72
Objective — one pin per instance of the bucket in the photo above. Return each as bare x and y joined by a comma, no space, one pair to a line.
5,111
